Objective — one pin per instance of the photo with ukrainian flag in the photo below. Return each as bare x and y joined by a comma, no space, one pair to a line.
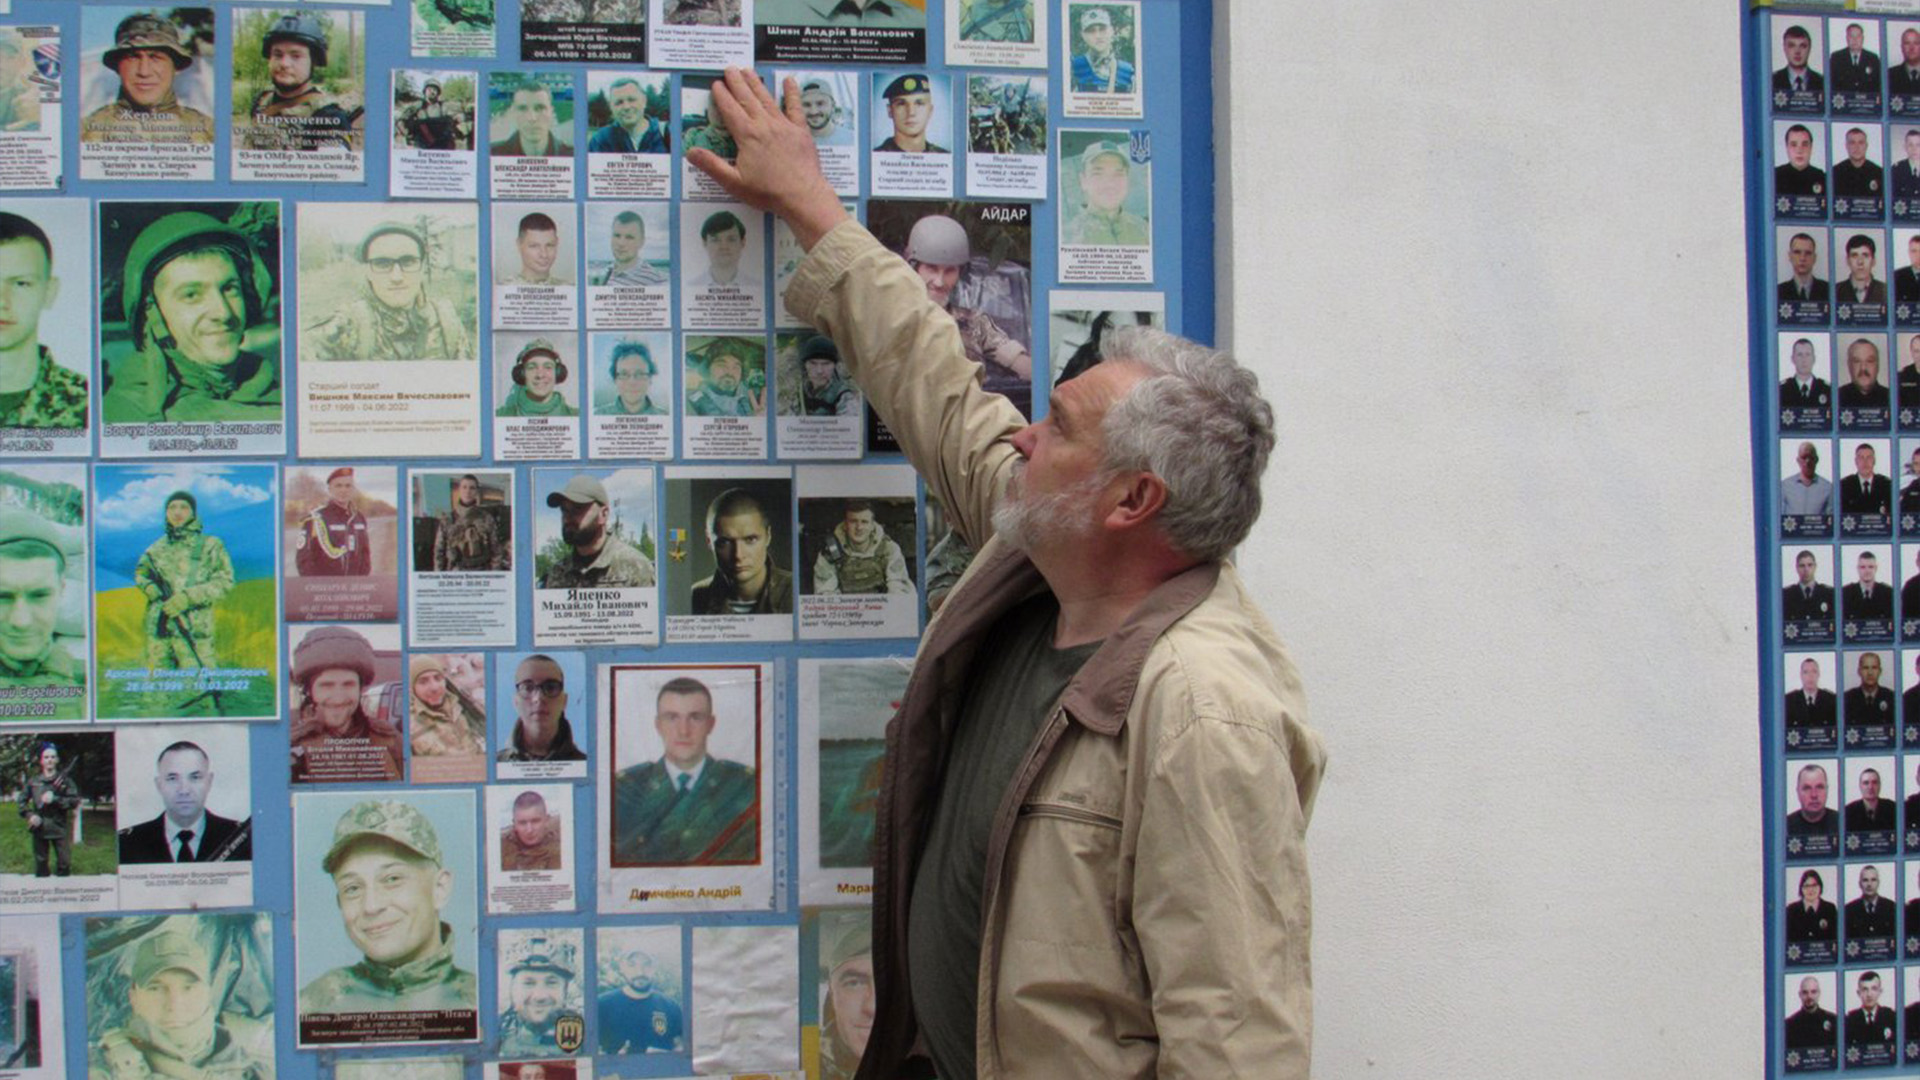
186,603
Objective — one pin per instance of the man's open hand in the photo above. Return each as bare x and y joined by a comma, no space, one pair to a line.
777,168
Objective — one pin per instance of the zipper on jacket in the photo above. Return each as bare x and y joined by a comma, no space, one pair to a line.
1069,813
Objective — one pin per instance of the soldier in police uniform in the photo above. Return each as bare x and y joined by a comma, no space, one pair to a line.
539,972
688,808
35,392
532,842
467,538
1812,1026
599,559
147,53
939,251
1871,1024
33,579
1870,915
1103,218
294,114
860,557
392,318
177,1028
47,803
330,720
391,882
333,538
1098,69
1806,598
910,106
635,1016
1856,68
1870,812
1857,177
1869,704
191,287
183,574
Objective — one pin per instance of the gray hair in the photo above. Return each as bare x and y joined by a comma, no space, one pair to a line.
1197,422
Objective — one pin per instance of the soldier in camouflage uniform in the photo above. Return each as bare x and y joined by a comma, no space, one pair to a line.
393,318
33,564
446,723
183,575
860,557
540,972
701,13
332,730
35,392
294,114
846,970
177,1028
939,251
47,804
1102,217
688,808
599,560
467,538
390,882
146,55
713,135
532,842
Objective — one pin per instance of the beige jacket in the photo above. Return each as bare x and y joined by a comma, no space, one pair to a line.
1146,909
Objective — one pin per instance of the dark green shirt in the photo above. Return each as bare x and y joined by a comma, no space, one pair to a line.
1020,677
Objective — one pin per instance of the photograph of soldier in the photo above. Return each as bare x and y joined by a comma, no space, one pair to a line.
723,239
531,114
1807,597
184,574
701,126
185,830
1865,491
1803,284
302,87
1011,21
912,116
36,391
726,376
639,1007
627,115
190,325
1800,173
433,110
447,713
141,93
988,295
1854,71
1112,209
828,103
623,264
1868,703
1101,47
180,996
532,841
347,706
49,800
631,369
405,934
689,807
846,979
340,528
1811,917
388,289
1810,706
1866,597
334,539
1811,816
536,375
1860,286
1857,176
544,1002
854,554
43,592
1870,915
854,699
536,254
593,549
1870,812
1871,1025
700,12
19,94
811,381
1811,1026
474,531
541,730
741,539
1006,114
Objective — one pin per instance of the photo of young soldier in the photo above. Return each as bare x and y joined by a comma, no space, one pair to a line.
840,944
818,407
32,113
727,535
584,31
830,106
43,594
299,95
540,991
912,134
58,849
340,542
595,543
447,717
348,704
536,414
1106,207
1102,45
146,93
530,856
46,248
530,134
858,532
725,402
186,606
541,731
723,267
629,266
536,266
1007,136
433,109
180,995
461,592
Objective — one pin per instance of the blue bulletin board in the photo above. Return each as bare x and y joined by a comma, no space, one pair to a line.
1177,121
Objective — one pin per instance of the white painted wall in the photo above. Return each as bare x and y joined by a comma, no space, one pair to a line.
1488,256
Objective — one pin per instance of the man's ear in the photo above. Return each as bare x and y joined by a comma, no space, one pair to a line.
1140,500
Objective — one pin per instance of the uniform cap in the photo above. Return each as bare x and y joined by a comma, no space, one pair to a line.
23,527
332,647
1095,17
1101,148
581,489
541,953
336,474
147,31
844,935
384,819
165,951
916,83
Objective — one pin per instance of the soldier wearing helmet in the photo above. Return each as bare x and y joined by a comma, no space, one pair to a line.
540,992
191,287
332,669
392,318
294,114
939,251
147,53
427,124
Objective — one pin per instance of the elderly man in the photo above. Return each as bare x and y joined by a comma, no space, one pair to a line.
542,731
532,842
33,581
632,130
745,578
147,53
177,1027
333,736
334,541
859,556
192,286
185,831
390,881
539,972
1100,641
390,317
688,808
35,392
598,559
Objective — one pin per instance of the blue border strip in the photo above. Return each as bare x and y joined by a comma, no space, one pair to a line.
1197,261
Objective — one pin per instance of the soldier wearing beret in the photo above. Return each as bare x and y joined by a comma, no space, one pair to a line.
1812,1026
846,965
147,53
183,575
294,114
333,539
333,666
688,808
910,108
539,972
599,559
35,392
532,842
178,1029
634,1015
467,538
1102,217
537,374
392,317
390,884
33,580
47,802
1097,68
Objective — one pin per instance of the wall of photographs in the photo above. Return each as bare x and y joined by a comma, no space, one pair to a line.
448,605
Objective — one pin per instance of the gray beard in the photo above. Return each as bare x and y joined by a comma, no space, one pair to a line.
1029,522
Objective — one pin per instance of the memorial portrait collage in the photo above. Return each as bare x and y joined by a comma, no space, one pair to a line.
450,606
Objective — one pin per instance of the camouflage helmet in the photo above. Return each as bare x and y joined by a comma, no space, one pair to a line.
165,951
178,234
939,240
330,647
844,935
147,31
383,819
303,27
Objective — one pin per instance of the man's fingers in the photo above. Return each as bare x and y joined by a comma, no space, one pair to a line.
761,94
714,165
790,97
731,111
741,86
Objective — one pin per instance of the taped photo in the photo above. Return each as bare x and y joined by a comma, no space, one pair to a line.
1007,135
830,105
540,994
915,158
536,259
1102,46
535,415
723,267
702,127
726,396
1106,207
46,250
726,532
818,407
32,113
629,266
